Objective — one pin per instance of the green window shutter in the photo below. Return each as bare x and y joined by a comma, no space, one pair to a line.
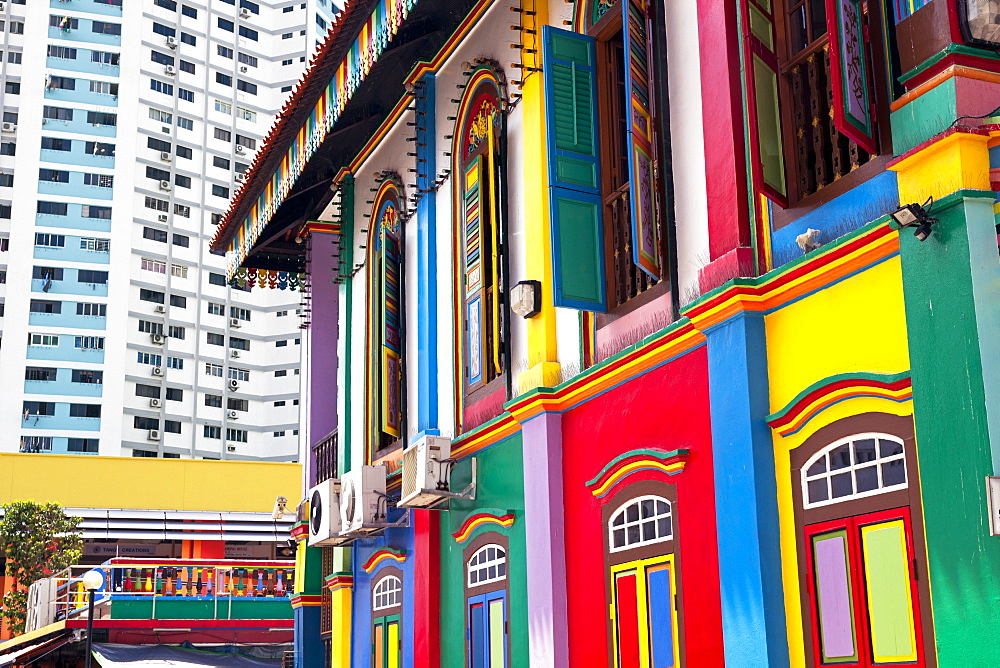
762,91
575,206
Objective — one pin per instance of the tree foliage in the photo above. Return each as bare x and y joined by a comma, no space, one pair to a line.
38,540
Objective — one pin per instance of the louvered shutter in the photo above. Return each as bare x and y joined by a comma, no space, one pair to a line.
645,239
391,344
574,173
762,90
475,248
852,106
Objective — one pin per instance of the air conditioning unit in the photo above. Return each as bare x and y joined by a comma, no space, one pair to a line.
426,472
170,70
244,13
162,218
241,178
153,435
234,354
155,403
233,415
243,69
234,323
172,42
362,501
157,370
166,156
160,308
231,448
3,6
324,514
9,127
164,185
156,338
234,384
240,149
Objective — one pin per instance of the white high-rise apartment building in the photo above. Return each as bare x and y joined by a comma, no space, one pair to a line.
127,125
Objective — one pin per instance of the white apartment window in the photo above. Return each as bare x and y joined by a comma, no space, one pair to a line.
239,312
160,115
216,309
175,363
50,340
279,434
236,435
178,271
281,314
89,342
157,204
213,370
98,245
100,310
235,373
155,266
223,107
149,327
104,88
246,114
247,59
182,210
149,358
99,180
185,123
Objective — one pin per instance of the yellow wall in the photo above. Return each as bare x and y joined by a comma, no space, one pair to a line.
77,481
855,325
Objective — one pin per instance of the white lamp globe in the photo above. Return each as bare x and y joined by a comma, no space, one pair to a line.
92,580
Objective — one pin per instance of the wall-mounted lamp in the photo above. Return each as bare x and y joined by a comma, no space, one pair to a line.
980,22
280,508
526,298
915,215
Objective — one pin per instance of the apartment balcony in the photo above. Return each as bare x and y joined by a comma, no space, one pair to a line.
324,457
237,600
90,6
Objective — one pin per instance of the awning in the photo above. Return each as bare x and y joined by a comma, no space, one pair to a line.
163,656
36,650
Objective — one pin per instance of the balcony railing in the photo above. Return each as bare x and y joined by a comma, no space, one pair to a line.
325,457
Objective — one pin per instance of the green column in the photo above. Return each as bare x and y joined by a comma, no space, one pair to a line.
951,286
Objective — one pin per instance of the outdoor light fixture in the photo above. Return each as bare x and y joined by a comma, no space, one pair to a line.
526,299
280,508
92,581
915,215
980,22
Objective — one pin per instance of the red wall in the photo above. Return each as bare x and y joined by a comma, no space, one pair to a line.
667,409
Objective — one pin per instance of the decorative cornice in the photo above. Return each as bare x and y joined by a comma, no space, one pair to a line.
336,581
300,531
480,519
322,227
635,461
825,393
306,600
381,555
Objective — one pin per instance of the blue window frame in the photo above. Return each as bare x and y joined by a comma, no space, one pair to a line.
486,630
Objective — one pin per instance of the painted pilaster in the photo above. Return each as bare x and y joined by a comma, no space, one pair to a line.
753,620
323,332
346,305
545,551
543,359
426,588
426,288
952,298
306,603
341,586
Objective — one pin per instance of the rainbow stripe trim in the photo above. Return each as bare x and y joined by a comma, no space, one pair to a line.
306,600
636,461
339,581
300,531
323,227
825,393
380,556
481,519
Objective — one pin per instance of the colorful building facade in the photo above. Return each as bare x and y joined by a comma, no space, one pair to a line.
697,299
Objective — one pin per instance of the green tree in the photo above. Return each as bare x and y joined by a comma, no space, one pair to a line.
38,540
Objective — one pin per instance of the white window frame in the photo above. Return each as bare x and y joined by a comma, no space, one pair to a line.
44,340
640,522
852,468
480,566
388,592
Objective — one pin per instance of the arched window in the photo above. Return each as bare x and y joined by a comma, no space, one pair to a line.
643,521
478,229
853,468
487,565
385,302
388,593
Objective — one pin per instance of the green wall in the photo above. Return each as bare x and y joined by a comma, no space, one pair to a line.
500,485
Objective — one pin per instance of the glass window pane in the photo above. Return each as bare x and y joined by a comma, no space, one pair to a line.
842,485
619,538
889,448
664,526
864,451
819,466
633,534
632,512
867,478
893,473
840,457
647,508
818,491
648,530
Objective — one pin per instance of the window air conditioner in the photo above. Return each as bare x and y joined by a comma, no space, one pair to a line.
160,308
234,323
232,415
9,127
234,354
324,514
230,447
240,149
162,218
362,501
172,42
241,178
153,435
154,403
244,13
234,384
166,156
157,370
156,338
243,69
426,472
164,185
170,70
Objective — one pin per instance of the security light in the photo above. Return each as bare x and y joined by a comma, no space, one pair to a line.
980,22
915,215
526,298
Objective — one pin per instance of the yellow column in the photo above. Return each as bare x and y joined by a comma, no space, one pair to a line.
543,360
340,638
955,162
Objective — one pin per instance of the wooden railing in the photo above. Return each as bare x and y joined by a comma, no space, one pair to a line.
325,457
627,280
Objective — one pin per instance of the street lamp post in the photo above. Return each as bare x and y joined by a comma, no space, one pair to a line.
92,581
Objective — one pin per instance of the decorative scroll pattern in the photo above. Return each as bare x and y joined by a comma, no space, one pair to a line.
479,127
372,41
636,461
268,278
482,518
645,237
399,556
599,9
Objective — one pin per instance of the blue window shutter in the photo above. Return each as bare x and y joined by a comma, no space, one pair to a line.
575,207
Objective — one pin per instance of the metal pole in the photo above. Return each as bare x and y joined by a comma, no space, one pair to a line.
90,627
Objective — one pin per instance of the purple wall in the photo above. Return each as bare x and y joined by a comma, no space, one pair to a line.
322,353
